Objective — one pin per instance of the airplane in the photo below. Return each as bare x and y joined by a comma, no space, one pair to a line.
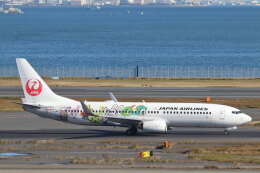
150,117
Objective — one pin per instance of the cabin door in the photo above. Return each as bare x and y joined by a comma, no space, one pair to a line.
142,112
222,114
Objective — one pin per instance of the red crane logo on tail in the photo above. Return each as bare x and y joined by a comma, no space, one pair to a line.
33,87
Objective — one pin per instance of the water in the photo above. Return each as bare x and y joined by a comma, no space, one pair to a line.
162,36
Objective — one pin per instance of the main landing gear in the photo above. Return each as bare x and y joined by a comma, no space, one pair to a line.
132,131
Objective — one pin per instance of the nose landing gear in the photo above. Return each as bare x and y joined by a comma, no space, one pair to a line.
132,131
229,129
225,132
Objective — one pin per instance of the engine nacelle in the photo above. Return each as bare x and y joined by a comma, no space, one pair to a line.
155,126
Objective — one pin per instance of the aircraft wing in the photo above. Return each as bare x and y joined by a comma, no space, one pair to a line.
86,109
125,120
131,120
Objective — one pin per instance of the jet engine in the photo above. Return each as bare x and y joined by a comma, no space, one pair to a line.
156,126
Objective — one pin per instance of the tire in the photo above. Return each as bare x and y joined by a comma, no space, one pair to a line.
132,131
128,132
225,132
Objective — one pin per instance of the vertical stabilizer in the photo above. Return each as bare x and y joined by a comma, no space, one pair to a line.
35,89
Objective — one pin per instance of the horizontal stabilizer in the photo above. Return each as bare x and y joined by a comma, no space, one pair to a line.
27,105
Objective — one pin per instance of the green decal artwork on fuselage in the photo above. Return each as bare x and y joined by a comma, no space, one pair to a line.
94,119
126,111
116,109
140,108
133,110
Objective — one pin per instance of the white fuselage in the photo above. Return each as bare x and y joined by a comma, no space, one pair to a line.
174,114
150,117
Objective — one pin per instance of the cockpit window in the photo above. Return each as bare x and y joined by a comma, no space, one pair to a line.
236,112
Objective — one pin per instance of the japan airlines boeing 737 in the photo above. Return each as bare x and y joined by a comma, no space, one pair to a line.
150,117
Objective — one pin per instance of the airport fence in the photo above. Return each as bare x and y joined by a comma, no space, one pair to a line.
126,72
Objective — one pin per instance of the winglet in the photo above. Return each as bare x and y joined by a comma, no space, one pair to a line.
86,109
112,97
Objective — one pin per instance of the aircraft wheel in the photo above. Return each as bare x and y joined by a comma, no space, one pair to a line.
226,132
132,131
128,132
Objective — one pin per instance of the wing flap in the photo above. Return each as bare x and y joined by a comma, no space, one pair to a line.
116,119
123,120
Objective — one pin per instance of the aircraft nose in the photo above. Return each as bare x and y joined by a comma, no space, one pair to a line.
246,118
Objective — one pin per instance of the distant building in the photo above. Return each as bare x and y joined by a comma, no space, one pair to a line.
42,2
75,2
51,2
255,2
196,2
2,2
192,2
149,1
188,2
126,2
83,2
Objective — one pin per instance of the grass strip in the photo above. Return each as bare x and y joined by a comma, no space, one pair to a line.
144,82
